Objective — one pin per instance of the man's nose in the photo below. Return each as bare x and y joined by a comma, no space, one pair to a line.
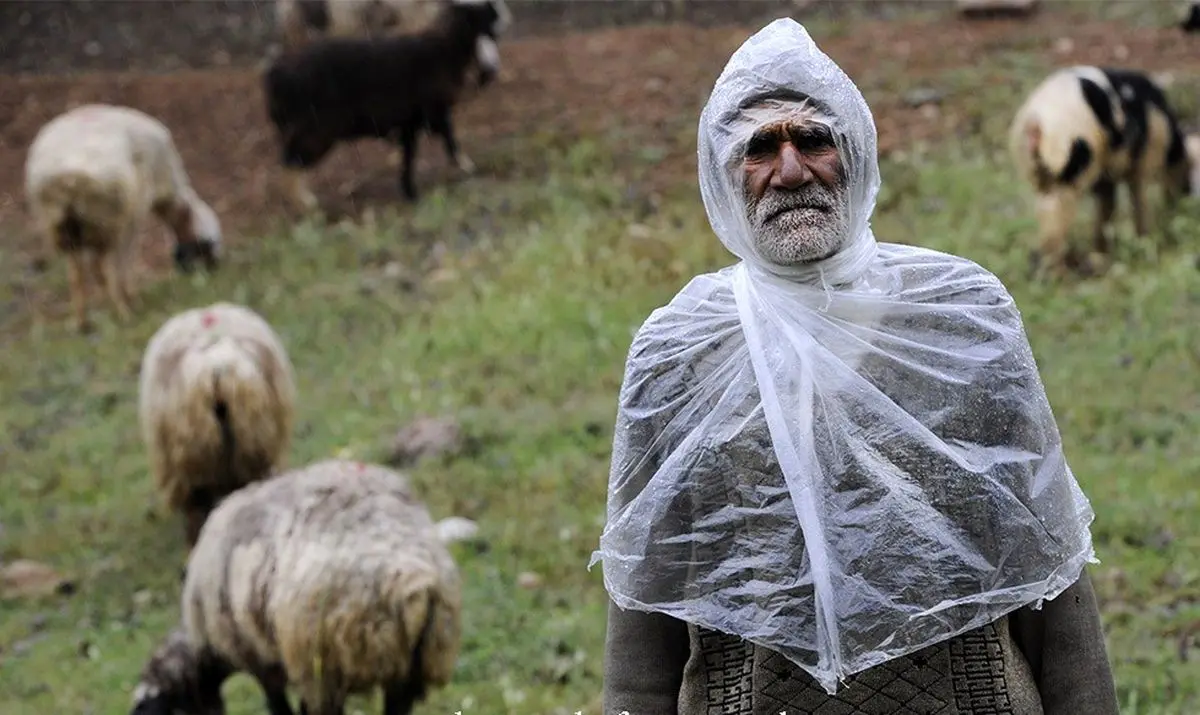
791,171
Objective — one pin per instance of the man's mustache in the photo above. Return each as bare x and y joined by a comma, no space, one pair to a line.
775,202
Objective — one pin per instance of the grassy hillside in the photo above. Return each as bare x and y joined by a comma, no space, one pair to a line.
510,306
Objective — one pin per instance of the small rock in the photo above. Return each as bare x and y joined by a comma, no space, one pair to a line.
1064,45
24,645
639,231
393,269
143,598
456,528
423,438
528,580
92,48
922,96
996,8
29,579
1161,539
88,650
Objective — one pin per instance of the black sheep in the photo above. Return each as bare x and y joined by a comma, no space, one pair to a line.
345,88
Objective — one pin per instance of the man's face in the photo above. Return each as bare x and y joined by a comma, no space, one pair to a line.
796,199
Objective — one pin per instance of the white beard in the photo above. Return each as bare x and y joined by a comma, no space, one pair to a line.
801,235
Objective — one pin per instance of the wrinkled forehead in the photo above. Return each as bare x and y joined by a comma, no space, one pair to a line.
769,114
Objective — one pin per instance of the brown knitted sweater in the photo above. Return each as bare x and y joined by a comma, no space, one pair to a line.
1032,662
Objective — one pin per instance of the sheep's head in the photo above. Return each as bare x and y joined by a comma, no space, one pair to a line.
178,680
197,234
487,57
484,17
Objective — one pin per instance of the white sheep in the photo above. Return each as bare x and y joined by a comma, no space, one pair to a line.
216,406
1088,129
92,175
331,579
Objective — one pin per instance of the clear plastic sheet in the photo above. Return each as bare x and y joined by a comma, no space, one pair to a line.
845,461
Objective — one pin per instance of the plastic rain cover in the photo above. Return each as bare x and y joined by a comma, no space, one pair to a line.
844,462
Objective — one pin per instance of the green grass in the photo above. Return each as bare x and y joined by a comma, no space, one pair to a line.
520,331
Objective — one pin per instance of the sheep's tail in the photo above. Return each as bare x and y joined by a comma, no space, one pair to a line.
230,396
77,207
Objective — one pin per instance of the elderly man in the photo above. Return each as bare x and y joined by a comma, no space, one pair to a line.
837,485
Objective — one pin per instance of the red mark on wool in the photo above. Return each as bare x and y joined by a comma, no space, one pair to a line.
362,467
208,320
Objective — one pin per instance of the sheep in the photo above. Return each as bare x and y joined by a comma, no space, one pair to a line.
330,578
217,401
304,20
341,89
300,21
92,175
1088,129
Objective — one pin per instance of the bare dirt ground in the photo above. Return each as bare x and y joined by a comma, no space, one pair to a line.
648,80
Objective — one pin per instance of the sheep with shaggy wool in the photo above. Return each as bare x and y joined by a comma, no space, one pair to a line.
331,579
342,89
92,176
217,401
1088,129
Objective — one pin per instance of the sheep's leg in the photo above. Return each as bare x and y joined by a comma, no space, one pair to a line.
274,685
326,706
199,505
105,265
1141,214
408,144
441,125
399,699
78,291
1172,194
1106,205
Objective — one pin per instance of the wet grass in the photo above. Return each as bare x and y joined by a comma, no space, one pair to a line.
510,305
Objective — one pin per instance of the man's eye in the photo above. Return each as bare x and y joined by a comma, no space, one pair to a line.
815,139
757,146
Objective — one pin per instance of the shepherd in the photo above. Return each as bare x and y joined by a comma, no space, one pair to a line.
837,484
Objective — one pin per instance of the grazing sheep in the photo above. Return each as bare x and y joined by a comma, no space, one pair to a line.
301,21
216,404
330,578
92,175
1087,129
341,89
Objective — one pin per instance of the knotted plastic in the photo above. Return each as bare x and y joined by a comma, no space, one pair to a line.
844,461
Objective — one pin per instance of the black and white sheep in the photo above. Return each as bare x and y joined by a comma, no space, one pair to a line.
92,176
1088,129
331,579
216,403
342,89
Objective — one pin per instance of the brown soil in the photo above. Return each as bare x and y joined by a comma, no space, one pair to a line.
651,80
